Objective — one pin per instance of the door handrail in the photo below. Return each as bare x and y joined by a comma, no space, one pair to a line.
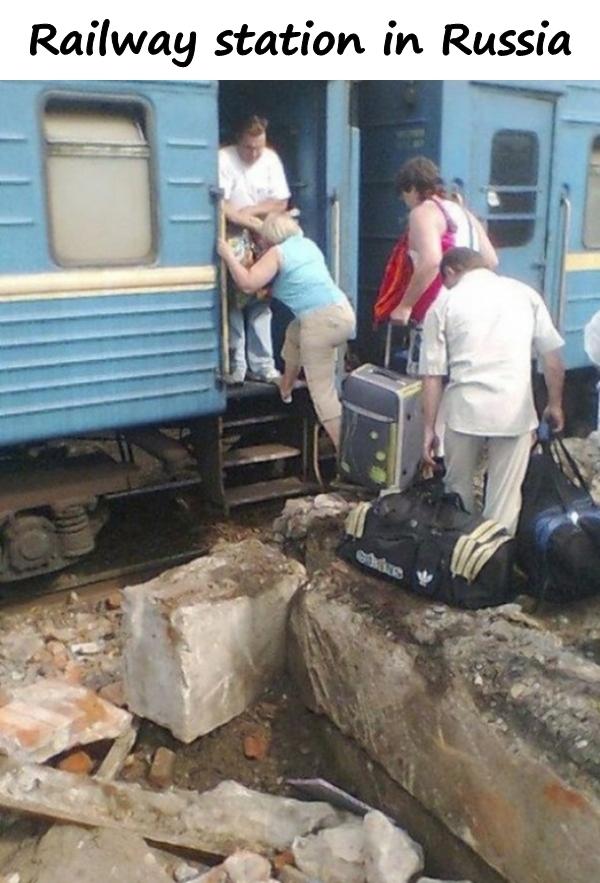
566,212
336,236
218,196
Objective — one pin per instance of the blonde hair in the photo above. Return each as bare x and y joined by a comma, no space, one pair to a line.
279,226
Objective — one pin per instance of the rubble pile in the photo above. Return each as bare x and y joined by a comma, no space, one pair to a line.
301,514
78,642
490,719
263,838
310,528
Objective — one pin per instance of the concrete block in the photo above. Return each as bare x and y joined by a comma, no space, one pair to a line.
247,867
334,855
491,722
389,854
203,641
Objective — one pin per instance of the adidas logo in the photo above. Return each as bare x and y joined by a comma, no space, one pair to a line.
424,578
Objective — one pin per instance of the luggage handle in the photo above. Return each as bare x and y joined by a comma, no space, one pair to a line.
385,372
389,329
572,464
549,439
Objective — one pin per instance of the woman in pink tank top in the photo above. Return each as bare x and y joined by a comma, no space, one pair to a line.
435,224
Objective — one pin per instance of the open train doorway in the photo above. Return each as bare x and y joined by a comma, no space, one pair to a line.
273,446
313,128
296,115
296,112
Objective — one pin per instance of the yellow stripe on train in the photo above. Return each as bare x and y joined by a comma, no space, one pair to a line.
96,282
582,260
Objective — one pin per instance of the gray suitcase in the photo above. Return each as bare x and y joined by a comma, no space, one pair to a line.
382,428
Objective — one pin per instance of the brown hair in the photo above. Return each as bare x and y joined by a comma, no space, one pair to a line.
461,259
421,174
253,125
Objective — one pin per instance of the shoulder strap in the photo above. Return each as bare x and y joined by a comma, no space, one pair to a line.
450,224
471,230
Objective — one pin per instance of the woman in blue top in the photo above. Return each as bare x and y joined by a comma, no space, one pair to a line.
295,269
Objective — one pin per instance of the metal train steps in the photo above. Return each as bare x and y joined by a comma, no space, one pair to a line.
268,490
259,454
235,423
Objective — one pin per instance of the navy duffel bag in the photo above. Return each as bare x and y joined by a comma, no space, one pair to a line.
558,537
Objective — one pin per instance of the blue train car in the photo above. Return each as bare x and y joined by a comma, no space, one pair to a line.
111,306
525,154
111,300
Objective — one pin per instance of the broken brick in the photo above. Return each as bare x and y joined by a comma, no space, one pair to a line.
113,602
59,655
163,765
282,859
50,716
79,762
257,742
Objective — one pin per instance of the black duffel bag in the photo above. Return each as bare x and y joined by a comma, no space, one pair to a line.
423,540
558,537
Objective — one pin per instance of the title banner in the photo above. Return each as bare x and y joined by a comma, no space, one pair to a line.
269,40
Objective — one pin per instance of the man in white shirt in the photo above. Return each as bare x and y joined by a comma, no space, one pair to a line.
253,181
483,332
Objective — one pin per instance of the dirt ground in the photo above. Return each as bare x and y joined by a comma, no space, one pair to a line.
277,719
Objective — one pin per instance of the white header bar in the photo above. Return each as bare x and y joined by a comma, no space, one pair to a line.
274,40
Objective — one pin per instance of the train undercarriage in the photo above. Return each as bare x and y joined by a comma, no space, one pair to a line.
55,497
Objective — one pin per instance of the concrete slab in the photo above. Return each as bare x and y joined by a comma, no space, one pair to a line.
490,719
217,822
204,640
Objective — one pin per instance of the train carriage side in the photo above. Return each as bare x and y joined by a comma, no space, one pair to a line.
530,166
110,301
526,155
575,244
109,309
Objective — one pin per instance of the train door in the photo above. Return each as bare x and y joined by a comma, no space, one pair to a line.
509,176
311,129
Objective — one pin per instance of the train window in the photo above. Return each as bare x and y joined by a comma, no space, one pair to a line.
591,225
98,182
512,191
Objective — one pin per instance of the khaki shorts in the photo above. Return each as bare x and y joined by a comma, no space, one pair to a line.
311,342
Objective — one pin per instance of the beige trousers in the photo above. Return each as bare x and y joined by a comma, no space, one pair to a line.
311,342
508,457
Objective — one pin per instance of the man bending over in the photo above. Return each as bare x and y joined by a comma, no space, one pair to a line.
483,332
